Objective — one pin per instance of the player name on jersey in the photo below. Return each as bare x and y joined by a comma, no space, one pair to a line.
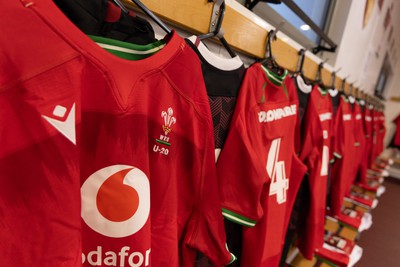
325,116
347,117
276,114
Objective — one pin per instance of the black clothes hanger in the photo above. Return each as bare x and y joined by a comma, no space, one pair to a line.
333,79
152,16
216,26
269,61
92,18
300,64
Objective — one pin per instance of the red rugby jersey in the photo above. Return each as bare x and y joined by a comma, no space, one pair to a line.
359,143
365,161
316,155
258,169
133,138
396,138
343,149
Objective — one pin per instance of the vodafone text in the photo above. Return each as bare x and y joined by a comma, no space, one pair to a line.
276,114
111,258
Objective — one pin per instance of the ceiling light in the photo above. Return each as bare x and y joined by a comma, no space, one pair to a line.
305,27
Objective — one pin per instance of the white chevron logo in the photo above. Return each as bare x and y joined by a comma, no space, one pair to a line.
65,127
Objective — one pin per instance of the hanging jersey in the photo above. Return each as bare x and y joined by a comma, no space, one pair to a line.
303,93
297,216
343,150
222,78
124,135
375,136
359,144
365,161
258,170
396,137
316,155
381,133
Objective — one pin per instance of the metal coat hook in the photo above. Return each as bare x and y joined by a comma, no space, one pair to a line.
272,37
318,77
344,82
217,16
333,76
300,62
215,29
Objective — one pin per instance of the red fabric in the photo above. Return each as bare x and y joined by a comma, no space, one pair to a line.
379,132
396,139
354,220
344,149
258,169
365,161
316,155
339,258
80,121
359,144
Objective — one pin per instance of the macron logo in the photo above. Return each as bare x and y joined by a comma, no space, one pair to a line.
66,126
276,114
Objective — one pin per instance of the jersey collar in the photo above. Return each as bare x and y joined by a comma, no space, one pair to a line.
275,78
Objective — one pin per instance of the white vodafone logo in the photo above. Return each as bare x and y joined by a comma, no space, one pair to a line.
116,200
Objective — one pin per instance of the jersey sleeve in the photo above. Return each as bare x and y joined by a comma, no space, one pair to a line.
309,149
242,176
338,135
208,235
205,231
241,167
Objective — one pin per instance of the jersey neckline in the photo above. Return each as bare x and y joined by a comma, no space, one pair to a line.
220,63
127,50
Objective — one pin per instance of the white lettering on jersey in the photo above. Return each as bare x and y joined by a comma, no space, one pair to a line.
325,116
325,161
117,258
358,117
65,127
325,134
277,114
325,155
368,118
276,171
347,117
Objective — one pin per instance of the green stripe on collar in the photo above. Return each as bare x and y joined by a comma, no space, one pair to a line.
322,90
127,50
275,78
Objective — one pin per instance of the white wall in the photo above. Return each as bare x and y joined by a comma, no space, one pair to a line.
361,50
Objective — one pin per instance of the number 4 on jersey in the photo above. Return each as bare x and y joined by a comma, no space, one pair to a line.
276,171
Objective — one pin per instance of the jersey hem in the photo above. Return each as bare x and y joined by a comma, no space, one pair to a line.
236,218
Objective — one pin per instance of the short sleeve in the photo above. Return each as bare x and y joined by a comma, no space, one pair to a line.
242,175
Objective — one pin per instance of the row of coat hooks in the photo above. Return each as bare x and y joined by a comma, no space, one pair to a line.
216,32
